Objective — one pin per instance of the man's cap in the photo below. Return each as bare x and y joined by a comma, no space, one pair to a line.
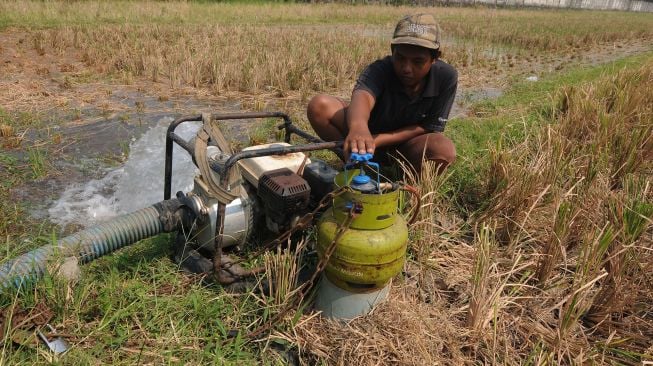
418,30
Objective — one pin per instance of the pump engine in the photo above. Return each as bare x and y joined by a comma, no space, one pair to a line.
279,184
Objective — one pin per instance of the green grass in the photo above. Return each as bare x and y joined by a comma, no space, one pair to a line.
537,95
21,120
20,163
264,132
13,173
124,299
37,162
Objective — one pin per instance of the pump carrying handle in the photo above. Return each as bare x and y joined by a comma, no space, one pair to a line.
356,159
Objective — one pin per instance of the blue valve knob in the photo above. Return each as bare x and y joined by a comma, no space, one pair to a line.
354,157
362,182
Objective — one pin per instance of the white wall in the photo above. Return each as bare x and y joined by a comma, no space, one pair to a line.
632,5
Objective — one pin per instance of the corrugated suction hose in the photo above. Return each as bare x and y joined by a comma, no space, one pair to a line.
93,242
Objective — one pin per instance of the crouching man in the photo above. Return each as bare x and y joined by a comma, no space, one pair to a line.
400,103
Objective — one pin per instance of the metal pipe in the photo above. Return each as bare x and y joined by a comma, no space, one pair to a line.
276,150
186,145
167,184
172,137
290,129
227,116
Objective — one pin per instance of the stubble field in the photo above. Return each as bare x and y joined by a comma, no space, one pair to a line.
536,247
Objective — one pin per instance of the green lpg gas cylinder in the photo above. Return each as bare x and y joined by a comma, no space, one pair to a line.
373,249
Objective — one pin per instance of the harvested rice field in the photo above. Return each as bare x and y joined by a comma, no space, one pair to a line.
535,247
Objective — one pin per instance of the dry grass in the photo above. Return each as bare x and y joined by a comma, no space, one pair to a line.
577,197
528,29
274,60
269,48
6,130
226,58
556,270
400,331
282,270
562,274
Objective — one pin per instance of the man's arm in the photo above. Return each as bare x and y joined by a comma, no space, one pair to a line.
438,116
399,136
359,139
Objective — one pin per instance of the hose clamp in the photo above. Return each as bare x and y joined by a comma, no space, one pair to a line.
195,204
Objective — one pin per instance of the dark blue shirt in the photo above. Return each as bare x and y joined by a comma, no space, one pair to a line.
394,109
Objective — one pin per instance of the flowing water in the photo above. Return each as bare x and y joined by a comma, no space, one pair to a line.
135,185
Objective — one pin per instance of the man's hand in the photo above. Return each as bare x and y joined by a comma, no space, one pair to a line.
359,141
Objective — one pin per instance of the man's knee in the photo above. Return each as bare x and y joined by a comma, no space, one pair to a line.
440,148
320,108
432,146
327,116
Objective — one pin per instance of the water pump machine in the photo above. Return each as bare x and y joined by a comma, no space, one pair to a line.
261,194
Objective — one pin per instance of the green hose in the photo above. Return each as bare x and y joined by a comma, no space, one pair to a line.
90,243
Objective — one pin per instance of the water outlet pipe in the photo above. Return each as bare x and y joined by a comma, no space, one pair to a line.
94,242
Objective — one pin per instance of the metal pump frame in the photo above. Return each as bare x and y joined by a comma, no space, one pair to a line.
223,169
287,125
